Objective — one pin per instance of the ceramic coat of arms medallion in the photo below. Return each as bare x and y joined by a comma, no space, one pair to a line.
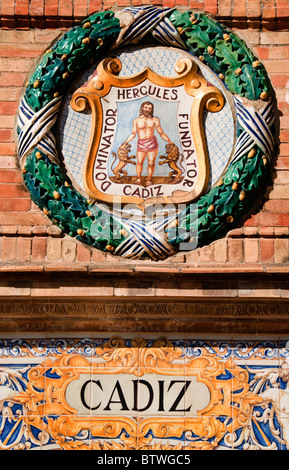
147,131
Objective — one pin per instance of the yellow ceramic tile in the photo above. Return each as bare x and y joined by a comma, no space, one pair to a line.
161,432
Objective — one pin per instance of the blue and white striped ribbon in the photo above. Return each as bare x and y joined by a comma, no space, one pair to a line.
150,19
256,127
35,128
165,33
145,238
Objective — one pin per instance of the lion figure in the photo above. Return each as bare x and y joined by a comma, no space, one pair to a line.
123,159
174,159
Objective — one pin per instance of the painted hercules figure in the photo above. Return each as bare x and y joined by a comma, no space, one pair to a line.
144,127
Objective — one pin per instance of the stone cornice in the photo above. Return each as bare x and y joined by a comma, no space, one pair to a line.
204,304
206,318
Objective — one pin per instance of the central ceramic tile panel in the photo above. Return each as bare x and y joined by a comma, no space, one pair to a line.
143,392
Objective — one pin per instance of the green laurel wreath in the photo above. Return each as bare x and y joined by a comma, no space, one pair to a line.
220,210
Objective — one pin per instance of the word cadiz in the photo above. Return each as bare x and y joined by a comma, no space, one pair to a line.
152,394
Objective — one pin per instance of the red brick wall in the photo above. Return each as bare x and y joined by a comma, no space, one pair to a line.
29,241
268,14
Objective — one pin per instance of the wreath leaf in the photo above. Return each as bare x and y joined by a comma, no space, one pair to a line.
228,56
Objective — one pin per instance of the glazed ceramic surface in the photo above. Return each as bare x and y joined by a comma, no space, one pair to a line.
143,392
147,131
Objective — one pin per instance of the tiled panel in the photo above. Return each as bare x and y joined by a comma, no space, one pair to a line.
144,392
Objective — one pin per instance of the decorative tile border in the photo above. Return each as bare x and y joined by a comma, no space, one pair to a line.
143,392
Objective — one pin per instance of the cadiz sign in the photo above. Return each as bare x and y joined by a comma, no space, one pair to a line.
147,131
131,394
155,394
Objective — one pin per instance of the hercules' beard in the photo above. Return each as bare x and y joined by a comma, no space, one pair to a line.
145,112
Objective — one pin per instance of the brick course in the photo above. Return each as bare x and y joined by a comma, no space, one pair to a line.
28,238
54,13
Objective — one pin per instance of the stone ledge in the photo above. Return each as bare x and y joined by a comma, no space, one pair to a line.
147,286
118,267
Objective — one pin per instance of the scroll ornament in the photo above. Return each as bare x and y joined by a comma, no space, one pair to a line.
223,207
